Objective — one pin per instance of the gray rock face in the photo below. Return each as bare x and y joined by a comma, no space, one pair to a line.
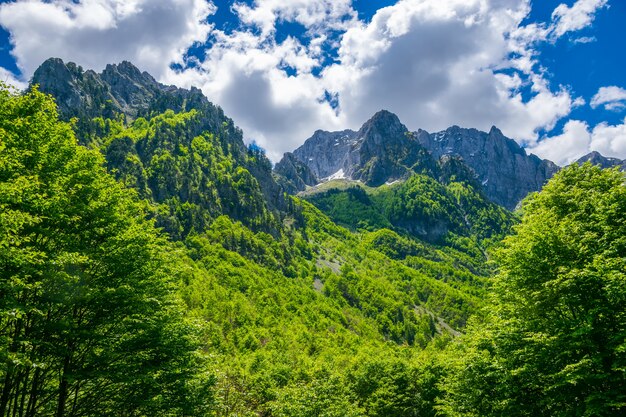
131,89
505,171
605,162
388,151
119,89
325,153
384,150
65,82
293,174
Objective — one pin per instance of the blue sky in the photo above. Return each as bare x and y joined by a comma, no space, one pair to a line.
548,73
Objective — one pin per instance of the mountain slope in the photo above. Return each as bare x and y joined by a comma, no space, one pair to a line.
187,159
297,314
172,144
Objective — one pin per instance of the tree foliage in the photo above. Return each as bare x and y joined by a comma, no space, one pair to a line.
89,321
554,341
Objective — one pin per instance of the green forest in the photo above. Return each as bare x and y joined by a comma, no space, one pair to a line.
151,267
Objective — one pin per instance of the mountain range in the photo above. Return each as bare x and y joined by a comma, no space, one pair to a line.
383,150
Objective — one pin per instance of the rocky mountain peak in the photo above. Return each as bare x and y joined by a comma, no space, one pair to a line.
383,122
495,132
53,66
596,158
123,90
131,74
126,67
293,174
119,89
383,130
325,153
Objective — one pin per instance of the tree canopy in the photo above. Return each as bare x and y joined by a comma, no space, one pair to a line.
89,320
554,340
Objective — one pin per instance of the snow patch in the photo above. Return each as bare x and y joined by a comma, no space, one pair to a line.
339,175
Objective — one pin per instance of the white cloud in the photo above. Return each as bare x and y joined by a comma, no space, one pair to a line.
313,14
585,39
94,33
7,77
564,19
580,15
610,140
563,149
612,98
433,63
578,140
245,77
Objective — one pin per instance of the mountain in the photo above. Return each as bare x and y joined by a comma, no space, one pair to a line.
340,301
282,300
171,144
293,174
384,150
597,159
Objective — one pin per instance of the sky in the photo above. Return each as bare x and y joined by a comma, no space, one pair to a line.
550,74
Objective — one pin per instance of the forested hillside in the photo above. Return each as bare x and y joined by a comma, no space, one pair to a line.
152,266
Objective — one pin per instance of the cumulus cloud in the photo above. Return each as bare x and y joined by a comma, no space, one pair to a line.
610,140
244,74
7,77
612,98
315,15
580,15
578,140
94,33
435,64
563,149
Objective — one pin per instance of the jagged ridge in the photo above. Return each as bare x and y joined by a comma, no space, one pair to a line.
154,153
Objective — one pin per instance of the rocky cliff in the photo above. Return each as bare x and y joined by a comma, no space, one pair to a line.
119,89
506,172
382,150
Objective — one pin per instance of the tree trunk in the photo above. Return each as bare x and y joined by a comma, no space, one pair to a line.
6,391
34,394
63,387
